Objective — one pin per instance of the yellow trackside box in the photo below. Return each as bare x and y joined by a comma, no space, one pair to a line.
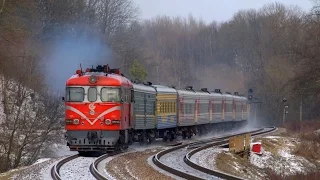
239,143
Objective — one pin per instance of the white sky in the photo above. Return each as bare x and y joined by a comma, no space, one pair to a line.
208,10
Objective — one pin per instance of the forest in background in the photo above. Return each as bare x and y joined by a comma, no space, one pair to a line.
273,50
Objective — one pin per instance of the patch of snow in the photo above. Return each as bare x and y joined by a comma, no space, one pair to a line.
285,153
77,169
128,170
272,137
207,157
40,170
41,160
59,150
285,162
236,166
260,160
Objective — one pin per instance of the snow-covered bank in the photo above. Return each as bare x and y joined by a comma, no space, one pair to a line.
279,157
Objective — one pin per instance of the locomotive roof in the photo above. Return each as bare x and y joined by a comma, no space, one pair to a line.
103,79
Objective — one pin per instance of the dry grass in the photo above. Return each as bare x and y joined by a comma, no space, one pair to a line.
8,175
296,127
237,165
309,147
298,176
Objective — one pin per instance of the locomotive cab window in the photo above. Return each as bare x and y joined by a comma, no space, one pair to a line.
110,94
92,94
74,94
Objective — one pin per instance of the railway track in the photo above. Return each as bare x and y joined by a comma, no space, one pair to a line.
191,170
185,157
55,170
93,168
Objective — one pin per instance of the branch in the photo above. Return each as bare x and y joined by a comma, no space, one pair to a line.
3,2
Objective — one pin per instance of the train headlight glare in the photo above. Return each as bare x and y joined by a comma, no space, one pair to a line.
76,121
108,121
93,79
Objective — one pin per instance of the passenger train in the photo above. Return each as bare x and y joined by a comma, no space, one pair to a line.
105,111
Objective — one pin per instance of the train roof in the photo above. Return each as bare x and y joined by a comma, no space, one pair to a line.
143,88
164,89
103,79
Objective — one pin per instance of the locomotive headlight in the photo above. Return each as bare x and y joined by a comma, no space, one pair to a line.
108,121
93,79
68,121
76,121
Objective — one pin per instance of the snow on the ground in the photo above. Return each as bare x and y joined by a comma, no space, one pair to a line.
77,169
207,157
260,160
40,170
59,150
284,162
41,160
272,137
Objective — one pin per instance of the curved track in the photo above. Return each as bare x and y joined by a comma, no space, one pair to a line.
94,167
55,170
190,170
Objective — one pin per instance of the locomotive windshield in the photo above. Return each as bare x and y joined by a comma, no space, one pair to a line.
74,94
110,94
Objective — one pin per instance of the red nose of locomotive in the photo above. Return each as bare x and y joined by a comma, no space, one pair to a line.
92,116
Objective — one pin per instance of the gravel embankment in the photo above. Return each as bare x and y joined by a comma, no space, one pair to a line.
135,166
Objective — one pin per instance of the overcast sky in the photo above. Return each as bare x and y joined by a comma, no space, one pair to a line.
208,10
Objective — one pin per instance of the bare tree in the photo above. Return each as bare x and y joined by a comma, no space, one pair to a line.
114,14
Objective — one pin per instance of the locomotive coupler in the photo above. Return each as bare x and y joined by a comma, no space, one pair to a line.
91,135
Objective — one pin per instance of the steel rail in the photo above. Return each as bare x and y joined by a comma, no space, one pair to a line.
156,158
94,165
55,170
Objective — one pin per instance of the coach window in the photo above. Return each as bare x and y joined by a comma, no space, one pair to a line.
74,94
110,94
92,94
